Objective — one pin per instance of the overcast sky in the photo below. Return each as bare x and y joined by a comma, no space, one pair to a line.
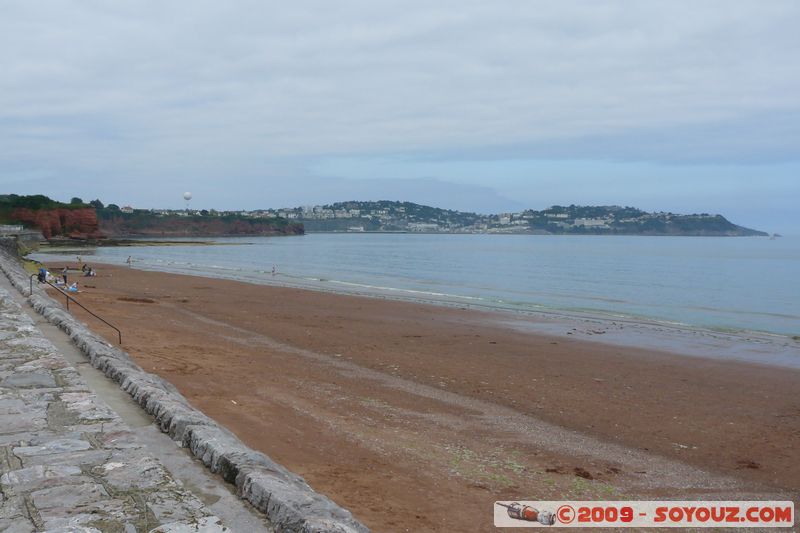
485,106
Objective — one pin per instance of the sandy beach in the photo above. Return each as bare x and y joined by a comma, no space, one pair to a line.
417,417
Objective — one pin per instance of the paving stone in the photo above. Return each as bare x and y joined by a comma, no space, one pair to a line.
11,509
84,405
172,506
85,458
209,524
22,438
21,422
43,437
144,473
54,446
70,496
41,477
87,430
29,379
41,364
34,398
16,525
107,515
11,406
70,380
12,519
117,440
32,346
71,524
74,529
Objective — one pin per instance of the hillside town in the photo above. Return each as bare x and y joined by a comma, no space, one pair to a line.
391,216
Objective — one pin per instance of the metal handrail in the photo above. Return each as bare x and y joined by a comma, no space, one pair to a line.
68,298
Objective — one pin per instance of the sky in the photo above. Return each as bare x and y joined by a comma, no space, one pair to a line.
480,106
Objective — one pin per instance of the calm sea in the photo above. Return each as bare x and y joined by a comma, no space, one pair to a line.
719,283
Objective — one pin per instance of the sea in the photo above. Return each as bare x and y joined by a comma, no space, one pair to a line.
725,284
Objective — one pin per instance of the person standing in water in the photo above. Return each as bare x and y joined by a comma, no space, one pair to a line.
64,274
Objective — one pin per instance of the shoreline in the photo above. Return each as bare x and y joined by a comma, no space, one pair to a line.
615,329
375,400
110,242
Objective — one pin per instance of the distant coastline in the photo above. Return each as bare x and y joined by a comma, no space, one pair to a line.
408,217
92,221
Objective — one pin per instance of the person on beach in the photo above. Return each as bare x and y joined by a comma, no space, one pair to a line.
129,261
73,287
42,275
64,274
274,270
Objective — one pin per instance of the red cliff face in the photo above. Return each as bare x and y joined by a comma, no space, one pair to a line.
151,226
73,223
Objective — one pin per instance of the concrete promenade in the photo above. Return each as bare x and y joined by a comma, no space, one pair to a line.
67,461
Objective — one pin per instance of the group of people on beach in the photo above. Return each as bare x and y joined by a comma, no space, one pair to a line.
88,271
44,276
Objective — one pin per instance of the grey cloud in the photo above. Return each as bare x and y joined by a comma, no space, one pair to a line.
765,138
354,76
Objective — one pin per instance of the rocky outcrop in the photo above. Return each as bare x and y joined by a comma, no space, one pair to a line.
80,223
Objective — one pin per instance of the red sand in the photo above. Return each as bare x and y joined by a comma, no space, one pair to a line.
418,417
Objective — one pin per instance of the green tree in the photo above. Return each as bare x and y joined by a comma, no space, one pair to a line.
97,204
76,201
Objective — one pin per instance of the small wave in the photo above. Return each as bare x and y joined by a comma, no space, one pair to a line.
230,269
410,291
745,313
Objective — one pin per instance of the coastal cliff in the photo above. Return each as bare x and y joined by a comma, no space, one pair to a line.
60,222
84,224
143,224
81,221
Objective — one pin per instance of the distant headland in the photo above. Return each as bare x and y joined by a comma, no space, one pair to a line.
389,216
94,220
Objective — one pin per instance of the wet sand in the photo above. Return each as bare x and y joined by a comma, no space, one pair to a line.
417,417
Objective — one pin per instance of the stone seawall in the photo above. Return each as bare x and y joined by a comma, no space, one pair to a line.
68,462
289,503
